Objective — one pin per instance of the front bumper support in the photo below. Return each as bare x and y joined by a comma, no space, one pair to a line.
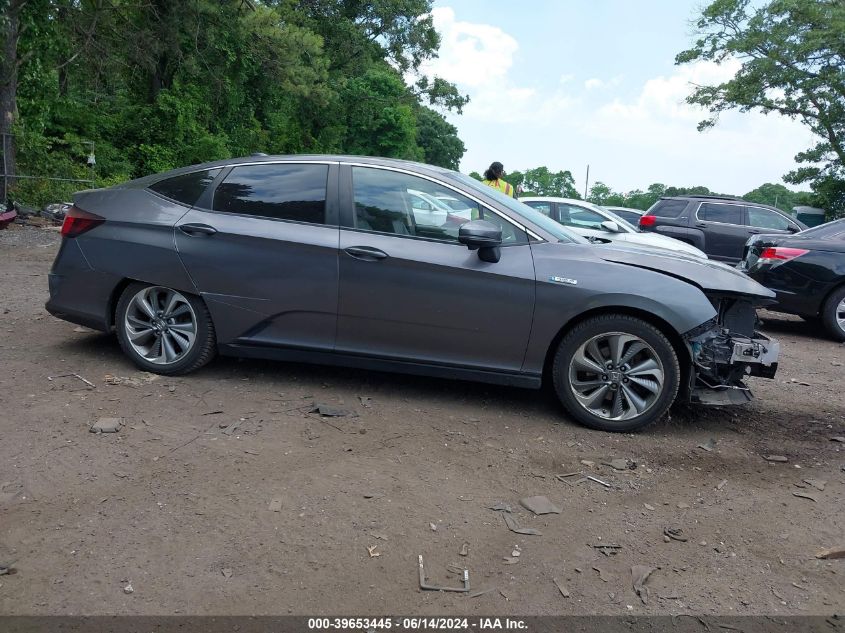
722,359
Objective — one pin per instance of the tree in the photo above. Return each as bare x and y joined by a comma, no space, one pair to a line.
378,123
644,199
438,139
539,181
601,194
793,64
777,195
156,84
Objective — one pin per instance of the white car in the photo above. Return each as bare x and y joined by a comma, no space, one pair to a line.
590,220
428,210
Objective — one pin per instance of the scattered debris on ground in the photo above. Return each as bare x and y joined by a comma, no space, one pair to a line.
539,505
424,584
709,445
778,459
639,576
107,425
513,526
563,590
832,553
328,411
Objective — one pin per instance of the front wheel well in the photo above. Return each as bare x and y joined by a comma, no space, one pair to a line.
681,350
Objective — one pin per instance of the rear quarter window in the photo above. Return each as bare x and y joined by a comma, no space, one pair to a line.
667,208
186,188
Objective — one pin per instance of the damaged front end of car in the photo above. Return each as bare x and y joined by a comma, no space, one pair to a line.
728,348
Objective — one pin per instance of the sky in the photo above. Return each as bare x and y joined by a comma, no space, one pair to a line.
571,83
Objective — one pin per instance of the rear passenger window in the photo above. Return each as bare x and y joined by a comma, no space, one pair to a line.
281,192
186,188
667,208
724,213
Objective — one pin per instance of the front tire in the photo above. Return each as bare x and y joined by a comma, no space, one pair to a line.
164,331
616,373
833,314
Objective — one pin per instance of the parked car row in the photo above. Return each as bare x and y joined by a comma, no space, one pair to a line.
805,270
598,223
717,225
357,262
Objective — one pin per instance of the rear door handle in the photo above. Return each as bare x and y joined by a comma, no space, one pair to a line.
701,225
754,231
366,253
197,229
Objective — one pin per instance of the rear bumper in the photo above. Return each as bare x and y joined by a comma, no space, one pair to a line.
78,293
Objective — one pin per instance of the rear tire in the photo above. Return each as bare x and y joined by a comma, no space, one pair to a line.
616,373
164,331
833,314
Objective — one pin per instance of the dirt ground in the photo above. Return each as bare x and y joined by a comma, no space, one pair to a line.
276,515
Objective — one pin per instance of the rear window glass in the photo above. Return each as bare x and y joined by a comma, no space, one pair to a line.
668,208
831,230
186,188
281,192
724,213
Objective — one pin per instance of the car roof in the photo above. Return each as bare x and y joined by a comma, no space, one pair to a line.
640,211
306,158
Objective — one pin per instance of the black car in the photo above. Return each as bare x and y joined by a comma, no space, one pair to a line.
806,270
719,226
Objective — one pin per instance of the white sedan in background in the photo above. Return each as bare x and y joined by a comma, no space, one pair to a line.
590,220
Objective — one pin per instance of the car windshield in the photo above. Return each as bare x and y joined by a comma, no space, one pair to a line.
523,210
620,220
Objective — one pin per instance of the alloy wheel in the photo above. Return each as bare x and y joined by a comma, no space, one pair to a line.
160,325
616,376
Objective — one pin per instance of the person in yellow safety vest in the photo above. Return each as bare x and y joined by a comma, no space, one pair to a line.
493,178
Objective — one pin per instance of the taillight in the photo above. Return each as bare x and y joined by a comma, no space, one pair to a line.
78,222
648,220
780,254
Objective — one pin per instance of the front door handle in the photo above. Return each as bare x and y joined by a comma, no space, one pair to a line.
366,253
701,225
197,229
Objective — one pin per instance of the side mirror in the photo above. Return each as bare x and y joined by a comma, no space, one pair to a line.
483,236
610,226
793,229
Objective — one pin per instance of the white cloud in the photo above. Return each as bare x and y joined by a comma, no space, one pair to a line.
592,84
478,58
564,79
470,54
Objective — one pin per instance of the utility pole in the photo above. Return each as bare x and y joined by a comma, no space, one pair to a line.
587,183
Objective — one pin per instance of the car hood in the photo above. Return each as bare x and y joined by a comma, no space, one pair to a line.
663,241
708,275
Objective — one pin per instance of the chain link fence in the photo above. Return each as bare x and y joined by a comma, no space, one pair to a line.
34,191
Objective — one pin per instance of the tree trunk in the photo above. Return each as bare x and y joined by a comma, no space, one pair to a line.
9,33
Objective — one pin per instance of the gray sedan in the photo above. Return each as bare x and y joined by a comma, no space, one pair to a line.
321,259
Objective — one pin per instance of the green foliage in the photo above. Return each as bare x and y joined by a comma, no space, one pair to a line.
438,139
793,64
777,195
162,84
539,181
